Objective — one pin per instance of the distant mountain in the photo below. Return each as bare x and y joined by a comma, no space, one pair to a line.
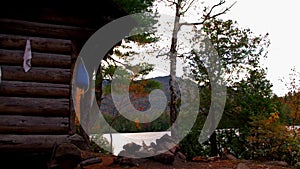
107,105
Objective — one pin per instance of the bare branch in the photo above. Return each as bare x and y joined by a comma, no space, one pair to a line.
208,15
193,23
190,4
223,12
162,54
213,7
115,61
172,2
183,54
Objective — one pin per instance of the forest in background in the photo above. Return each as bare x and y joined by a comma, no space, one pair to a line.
266,123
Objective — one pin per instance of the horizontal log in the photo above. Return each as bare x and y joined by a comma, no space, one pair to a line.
34,106
91,17
45,45
95,18
36,74
31,124
43,29
15,57
33,143
47,15
33,89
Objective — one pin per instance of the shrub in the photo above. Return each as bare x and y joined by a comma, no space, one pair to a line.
270,140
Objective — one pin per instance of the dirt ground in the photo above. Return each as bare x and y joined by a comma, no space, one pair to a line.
108,163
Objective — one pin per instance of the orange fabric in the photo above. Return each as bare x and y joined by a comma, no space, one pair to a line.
79,94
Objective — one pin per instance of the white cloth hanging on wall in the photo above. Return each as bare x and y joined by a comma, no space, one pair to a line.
27,57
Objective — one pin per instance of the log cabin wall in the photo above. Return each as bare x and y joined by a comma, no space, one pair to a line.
36,108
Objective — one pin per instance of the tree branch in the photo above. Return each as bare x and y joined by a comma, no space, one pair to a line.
209,14
213,7
113,60
190,4
162,54
172,2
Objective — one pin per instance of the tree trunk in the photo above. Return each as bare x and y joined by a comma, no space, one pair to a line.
111,140
213,144
173,55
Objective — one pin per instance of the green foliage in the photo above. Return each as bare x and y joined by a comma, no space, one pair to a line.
123,125
292,99
236,46
248,95
253,123
143,21
138,90
100,144
253,97
143,38
191,147
141,69
270,140
134,6
239,50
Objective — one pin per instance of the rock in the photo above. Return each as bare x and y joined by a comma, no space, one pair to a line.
163,146
227,156
124,153
230,157
242,166
165,157
160,147
297,165
171,146
126,161
131,148
168,138
67,156
67,149
181,156
153,145
78,141
144,153
165,138
277,163
145,146
173,150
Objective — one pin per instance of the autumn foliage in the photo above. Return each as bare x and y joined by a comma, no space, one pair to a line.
271,140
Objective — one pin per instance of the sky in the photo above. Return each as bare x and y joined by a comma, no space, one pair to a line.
280,19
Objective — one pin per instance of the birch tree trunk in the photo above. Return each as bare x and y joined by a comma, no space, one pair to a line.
173,55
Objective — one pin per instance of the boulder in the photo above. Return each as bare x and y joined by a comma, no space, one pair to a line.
145,153
242,166
123,153
78,141
181,156
67,156
165,138
131,148
165,157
